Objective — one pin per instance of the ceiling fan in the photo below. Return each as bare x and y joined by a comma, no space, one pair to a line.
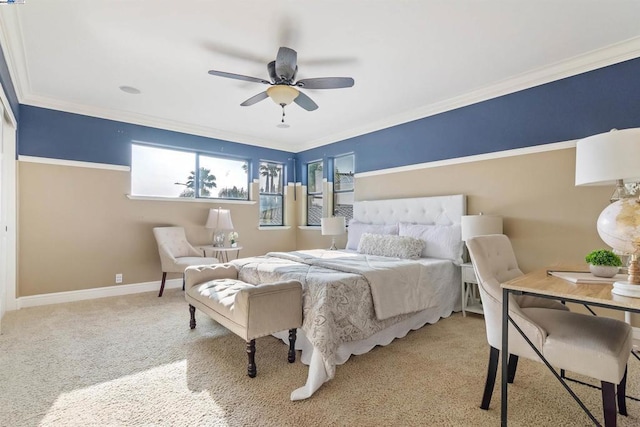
284,88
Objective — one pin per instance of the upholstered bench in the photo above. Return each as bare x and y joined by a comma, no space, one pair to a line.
249,311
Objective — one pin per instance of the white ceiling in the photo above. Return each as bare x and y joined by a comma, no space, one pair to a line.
409,59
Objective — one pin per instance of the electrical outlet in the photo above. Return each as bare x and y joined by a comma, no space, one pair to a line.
119,278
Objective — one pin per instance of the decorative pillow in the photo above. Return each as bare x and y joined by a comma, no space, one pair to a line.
391,246
441,241
356,229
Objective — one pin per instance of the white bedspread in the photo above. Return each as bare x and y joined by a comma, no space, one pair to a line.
398,286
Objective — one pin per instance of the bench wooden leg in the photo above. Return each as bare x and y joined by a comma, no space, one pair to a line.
192,312
251,353
292,345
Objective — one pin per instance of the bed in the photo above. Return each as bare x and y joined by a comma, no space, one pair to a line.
360,297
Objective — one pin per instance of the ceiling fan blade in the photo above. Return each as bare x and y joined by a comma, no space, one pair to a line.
238,77
305,102
286,63
255,99
326,83
271,68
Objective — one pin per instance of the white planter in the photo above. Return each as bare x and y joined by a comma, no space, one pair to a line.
603,270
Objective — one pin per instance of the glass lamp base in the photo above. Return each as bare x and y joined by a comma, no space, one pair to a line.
218,239
333,244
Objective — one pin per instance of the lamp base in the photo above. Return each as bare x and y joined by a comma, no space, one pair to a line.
333,244
626,289
218,239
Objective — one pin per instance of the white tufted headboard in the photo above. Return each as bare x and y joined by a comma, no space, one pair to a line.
441,210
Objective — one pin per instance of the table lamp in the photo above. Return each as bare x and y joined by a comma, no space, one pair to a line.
605,159
480,225
220,221
609,158
333,226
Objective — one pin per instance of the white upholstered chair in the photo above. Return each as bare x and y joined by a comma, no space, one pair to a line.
176,253
597,347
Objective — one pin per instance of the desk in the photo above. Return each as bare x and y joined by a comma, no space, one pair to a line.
220,252
541,284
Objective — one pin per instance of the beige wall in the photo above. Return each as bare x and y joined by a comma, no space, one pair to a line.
547,217
77,229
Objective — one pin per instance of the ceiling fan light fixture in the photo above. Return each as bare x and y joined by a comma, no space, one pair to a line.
282,94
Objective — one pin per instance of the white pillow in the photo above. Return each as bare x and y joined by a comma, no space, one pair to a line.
356,229
391,246
441,241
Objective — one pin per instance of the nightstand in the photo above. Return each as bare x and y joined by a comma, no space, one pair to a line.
470,292
222,253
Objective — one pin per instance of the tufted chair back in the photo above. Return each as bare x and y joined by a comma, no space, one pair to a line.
172,244
494,263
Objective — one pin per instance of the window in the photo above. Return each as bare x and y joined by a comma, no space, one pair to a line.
343,186
314,193
163,172
271,193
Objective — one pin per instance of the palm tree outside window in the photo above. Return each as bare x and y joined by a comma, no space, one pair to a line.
166,172
271,193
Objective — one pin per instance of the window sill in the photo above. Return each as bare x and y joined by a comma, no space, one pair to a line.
191,200
273,227
309,227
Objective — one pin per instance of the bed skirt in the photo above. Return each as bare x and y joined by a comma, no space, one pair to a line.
310,356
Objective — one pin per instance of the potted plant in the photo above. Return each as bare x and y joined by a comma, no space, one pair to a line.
603,263
233,237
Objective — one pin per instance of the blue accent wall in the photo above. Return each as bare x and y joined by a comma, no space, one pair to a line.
566,109
7,85
67,136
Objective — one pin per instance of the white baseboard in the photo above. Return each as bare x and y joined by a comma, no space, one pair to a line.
85,294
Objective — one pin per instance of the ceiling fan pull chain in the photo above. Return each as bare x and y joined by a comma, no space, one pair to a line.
282,105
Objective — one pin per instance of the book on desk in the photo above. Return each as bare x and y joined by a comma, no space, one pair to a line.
586,277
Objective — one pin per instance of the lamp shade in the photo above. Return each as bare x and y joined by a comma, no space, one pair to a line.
219,219
607,157
480,225
333,226
282,94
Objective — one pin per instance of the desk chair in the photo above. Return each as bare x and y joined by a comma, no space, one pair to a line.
597,347
176,253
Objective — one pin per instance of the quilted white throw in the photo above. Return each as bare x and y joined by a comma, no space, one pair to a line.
397,286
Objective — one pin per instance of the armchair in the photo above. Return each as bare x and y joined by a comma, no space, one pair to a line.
176,253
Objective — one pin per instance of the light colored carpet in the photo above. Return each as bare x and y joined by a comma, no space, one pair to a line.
133,361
